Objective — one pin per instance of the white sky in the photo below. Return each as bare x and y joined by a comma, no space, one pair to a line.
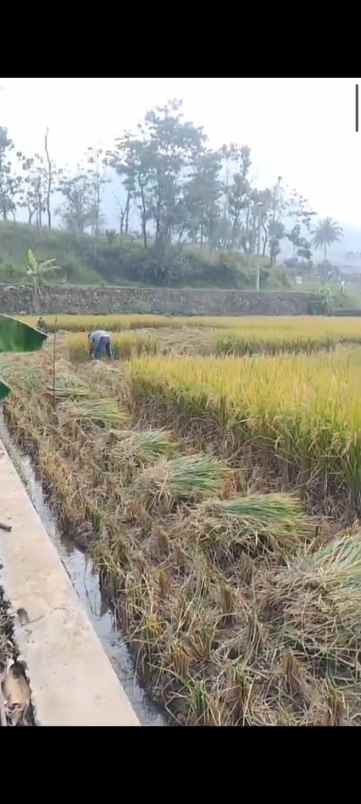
300,129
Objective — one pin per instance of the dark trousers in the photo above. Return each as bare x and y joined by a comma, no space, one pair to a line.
103,349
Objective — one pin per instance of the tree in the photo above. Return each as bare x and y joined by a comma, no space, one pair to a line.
131,160
37,184
174,145
301,245
230,156
34,188
276,233
9,184
198,210
155,163
326,233
28,191
97,180
240,200
78,211
49,175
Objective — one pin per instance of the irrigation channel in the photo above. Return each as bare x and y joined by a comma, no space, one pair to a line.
85,580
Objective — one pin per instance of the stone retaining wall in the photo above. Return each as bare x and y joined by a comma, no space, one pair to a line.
17,300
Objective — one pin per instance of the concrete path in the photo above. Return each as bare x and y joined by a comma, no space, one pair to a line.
72,681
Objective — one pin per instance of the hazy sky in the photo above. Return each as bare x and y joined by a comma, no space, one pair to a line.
300,129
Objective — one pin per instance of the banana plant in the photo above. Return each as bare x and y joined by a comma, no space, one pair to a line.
16,336
36,270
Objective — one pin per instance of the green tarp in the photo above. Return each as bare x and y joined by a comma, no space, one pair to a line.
15,336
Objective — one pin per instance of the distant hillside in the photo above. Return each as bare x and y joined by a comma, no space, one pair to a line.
86,260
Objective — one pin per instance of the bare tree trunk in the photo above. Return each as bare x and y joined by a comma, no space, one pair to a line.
265,239
127,209
121,221
49,179
97,205
144,218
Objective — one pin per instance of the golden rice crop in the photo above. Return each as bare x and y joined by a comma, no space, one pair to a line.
119,322
238,343
124,346
226,335
341,329
303,411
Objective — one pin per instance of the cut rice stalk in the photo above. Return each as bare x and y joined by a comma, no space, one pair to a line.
69,387
144,447
186,477
102,412
320,600
276,521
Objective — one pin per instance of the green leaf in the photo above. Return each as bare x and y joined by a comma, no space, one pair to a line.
32,261
46,263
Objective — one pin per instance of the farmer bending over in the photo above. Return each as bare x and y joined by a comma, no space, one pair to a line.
100,344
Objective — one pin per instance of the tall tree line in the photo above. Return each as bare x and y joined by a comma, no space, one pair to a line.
174,189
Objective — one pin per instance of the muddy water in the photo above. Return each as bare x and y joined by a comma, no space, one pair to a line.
85,581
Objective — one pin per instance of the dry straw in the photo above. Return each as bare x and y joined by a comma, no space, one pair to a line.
101,412
252,523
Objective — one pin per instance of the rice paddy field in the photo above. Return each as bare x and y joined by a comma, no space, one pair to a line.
218,490
248,335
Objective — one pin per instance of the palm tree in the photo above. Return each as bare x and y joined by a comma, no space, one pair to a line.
327,232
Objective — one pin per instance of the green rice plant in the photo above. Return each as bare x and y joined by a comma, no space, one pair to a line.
183,478
144,447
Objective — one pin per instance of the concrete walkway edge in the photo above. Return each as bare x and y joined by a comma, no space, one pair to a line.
72,680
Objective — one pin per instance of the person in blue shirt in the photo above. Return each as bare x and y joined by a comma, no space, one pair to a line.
100,344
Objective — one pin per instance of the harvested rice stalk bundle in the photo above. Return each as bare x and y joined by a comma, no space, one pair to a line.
189,477
319,602
101,412
69,387
138,448
273,521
